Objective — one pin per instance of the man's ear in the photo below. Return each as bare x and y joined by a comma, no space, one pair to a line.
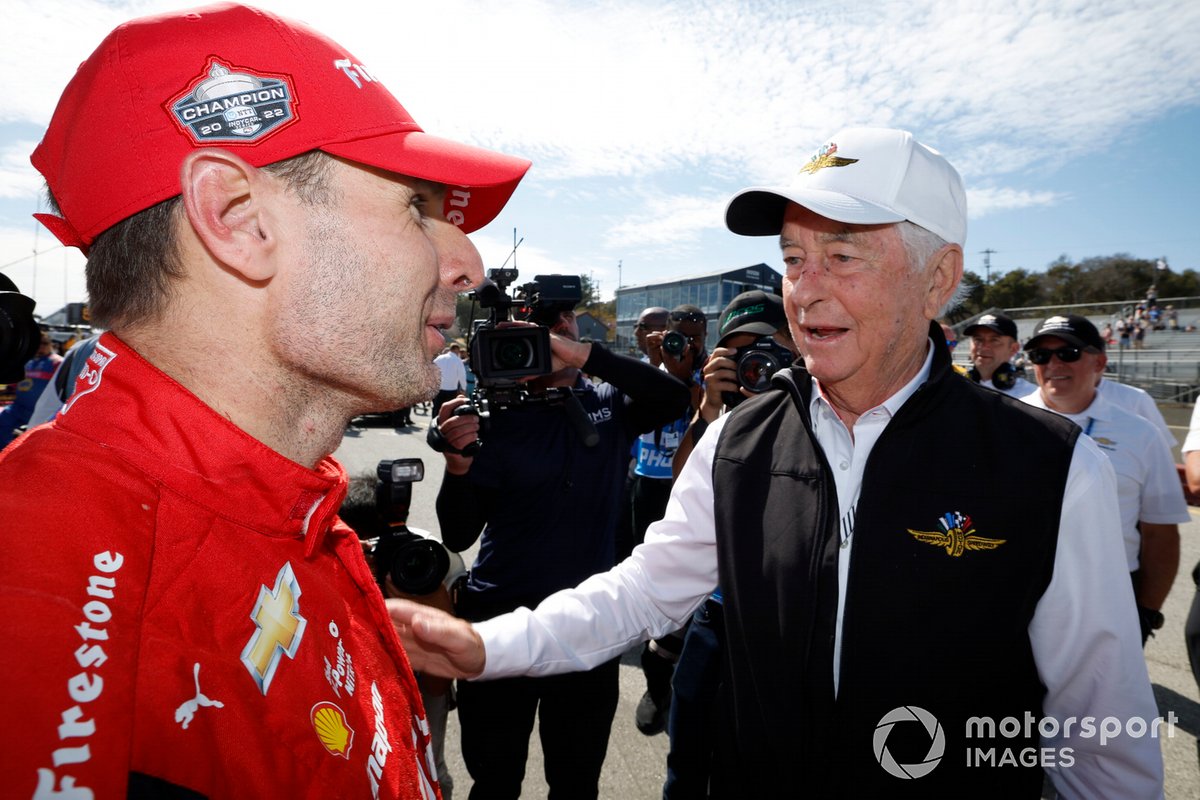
225,199
946,272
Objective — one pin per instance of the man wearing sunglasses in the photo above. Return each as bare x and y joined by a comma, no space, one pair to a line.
1068,356
651,320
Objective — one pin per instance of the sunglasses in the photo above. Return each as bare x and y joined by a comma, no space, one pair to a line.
1067,354
689,317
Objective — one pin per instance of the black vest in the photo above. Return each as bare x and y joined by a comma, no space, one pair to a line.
937,609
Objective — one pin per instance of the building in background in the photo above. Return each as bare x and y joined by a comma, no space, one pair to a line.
710,291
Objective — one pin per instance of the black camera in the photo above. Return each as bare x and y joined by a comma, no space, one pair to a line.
675,343
416,564
19,333
499,356
754,364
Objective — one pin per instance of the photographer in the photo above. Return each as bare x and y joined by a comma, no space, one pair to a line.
746,320
731,374
547,506
680,351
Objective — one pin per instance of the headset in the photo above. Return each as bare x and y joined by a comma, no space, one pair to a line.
1004,378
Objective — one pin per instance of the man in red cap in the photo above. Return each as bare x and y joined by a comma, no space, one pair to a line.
275,246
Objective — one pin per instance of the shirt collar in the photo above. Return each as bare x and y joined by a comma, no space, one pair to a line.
154,423
889,406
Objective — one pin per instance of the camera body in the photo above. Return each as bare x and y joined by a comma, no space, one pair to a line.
500,356
416,563
754,364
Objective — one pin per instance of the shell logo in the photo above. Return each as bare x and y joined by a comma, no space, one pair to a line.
333,731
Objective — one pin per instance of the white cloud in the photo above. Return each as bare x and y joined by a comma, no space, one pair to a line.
982,202
641,92
18,178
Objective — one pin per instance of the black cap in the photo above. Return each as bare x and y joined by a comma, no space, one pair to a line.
754,312
997,322
1071,328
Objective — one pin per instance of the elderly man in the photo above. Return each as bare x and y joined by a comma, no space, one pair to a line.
275,246
993,344
1068,355
884,625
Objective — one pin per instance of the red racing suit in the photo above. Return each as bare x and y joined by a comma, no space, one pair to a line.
184,610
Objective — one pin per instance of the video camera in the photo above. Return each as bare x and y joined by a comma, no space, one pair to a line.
499,356
19,333
755,363
416,563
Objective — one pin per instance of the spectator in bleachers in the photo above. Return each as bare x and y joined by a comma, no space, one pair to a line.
1068,357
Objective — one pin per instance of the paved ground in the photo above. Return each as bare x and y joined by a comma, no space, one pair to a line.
635,765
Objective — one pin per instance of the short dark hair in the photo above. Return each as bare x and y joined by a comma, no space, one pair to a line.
688,313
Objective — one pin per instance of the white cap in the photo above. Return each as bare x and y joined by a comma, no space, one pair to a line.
865,176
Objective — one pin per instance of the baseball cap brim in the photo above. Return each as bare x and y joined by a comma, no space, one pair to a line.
757,328
758,211
489,177
1066,337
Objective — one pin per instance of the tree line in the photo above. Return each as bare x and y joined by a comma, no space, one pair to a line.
1099,279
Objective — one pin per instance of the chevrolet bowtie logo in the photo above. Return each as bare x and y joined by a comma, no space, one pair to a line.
280,628
956,535
825,158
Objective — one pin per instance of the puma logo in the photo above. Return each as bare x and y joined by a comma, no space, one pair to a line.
187,711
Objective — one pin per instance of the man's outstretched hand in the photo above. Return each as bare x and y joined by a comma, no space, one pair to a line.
436,642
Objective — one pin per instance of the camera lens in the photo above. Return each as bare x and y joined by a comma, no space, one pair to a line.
512,354
674,343
754,371
419,565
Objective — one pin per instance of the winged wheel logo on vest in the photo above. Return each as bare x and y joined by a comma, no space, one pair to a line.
957,535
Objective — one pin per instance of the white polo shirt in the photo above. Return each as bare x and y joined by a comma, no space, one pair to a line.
1148,488
1019,389
1138,402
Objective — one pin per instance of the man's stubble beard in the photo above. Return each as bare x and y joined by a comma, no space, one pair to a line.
385,363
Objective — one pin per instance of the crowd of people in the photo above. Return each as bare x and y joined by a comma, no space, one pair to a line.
819,610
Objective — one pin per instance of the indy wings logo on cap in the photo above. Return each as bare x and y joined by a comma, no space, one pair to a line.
826,157
232,104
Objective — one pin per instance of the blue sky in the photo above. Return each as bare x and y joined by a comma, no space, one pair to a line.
1075,123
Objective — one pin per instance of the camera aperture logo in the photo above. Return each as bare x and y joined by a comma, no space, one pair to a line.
937,742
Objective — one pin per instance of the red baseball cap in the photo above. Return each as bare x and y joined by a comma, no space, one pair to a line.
240,78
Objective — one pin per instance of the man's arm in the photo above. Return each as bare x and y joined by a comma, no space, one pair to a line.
462,507
1162,509
1159,563
653,398
1087,647
720,375
652,592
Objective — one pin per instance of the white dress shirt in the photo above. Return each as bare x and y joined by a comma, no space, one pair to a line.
1085,636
